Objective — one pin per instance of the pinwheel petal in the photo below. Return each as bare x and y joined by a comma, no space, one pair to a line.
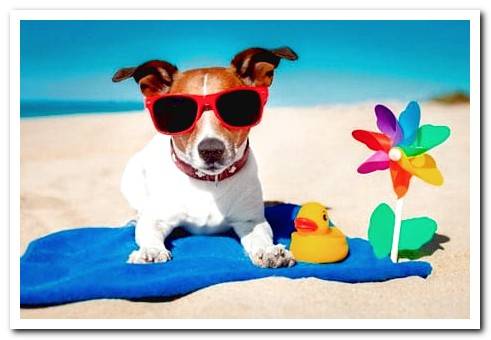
387,123
374,140
400,179
409,122
427,138
378,161
422,166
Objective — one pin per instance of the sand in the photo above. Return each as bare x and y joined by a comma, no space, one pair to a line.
70,173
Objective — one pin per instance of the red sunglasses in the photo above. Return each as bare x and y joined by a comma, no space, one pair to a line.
237,108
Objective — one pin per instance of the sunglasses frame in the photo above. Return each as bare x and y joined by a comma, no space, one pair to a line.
207,102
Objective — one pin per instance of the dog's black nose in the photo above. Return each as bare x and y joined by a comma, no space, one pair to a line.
211,150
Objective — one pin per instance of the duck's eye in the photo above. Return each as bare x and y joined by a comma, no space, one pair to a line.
324,216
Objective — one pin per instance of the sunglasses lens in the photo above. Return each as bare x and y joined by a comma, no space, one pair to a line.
174,114
240,108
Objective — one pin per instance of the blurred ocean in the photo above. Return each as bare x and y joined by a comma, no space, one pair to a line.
39,108
69,63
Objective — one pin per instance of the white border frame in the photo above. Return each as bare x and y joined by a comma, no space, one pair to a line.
475,184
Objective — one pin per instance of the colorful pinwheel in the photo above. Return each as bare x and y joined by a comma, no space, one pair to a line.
402,146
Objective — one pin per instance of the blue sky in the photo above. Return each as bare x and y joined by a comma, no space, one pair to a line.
339,61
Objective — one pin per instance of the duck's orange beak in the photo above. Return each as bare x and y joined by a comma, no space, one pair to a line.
305,225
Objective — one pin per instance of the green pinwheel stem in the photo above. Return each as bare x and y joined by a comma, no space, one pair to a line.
414,234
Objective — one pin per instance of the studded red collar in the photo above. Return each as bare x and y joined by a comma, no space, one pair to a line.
198,174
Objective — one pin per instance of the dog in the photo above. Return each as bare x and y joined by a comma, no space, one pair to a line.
199,173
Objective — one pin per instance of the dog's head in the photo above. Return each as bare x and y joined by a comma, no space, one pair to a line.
209,146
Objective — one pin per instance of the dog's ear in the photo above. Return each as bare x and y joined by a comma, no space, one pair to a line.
154,76
255,66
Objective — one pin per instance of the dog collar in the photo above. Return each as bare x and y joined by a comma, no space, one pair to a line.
198,174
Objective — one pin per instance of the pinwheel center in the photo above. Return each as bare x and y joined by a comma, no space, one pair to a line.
395,154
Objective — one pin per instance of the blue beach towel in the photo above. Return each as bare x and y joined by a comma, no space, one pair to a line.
90,263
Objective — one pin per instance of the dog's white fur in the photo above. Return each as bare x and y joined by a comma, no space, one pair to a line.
166,198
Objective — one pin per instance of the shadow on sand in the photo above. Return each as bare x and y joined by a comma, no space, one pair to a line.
427,250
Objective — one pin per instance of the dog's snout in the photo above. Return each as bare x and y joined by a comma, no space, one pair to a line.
211,150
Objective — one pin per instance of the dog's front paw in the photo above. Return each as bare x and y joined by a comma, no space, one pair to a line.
149,255
273,257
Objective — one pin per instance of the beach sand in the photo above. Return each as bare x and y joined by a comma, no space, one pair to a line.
71,169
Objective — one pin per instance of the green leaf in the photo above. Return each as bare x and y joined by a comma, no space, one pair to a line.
415,232
427,138
381,229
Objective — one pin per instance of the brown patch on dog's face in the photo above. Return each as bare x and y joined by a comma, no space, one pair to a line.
220,146
202,82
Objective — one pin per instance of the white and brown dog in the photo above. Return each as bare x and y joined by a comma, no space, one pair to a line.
202,177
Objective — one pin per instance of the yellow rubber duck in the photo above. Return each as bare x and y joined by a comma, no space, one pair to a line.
315,241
